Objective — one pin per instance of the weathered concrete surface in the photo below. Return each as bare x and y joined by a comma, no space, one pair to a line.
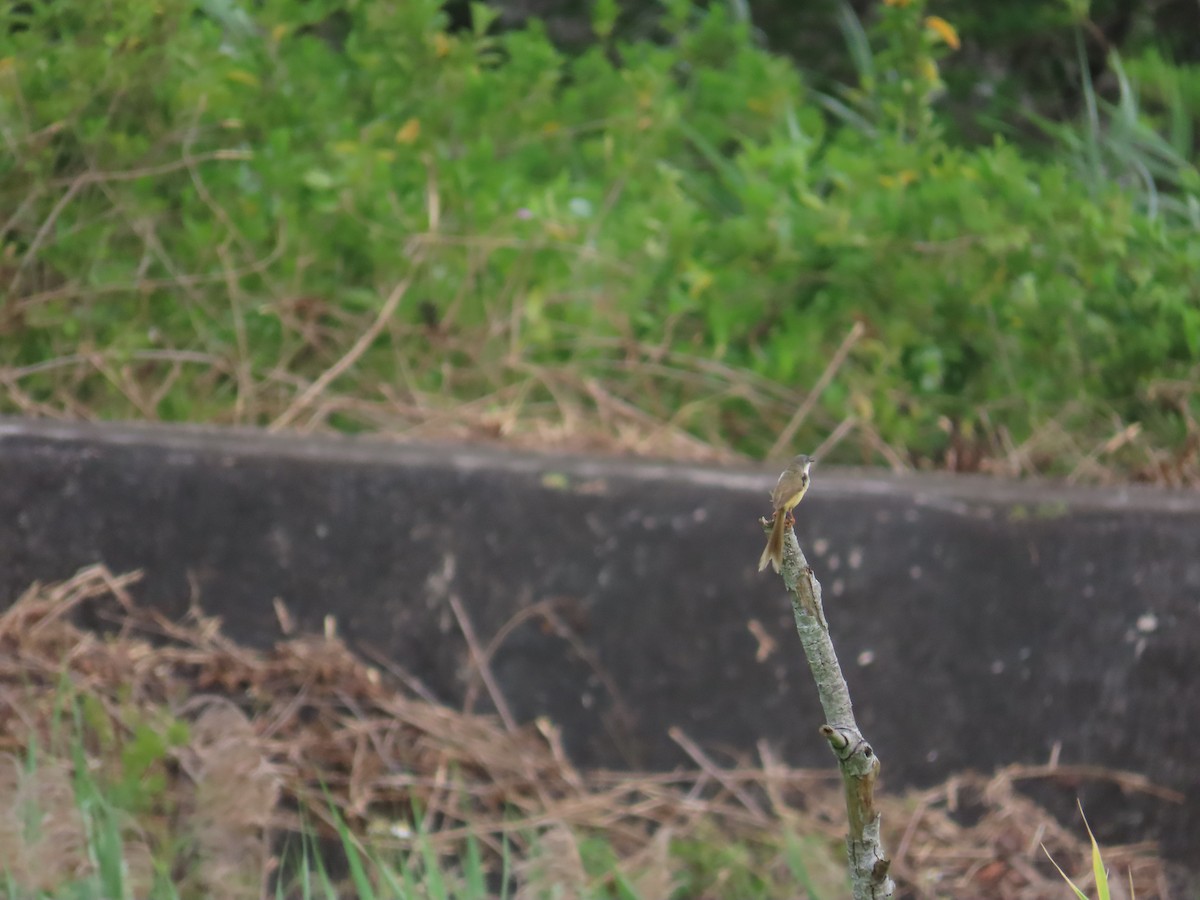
980,623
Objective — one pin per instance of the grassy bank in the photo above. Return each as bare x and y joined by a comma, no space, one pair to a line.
337,215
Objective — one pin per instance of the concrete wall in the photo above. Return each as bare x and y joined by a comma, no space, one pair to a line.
980,623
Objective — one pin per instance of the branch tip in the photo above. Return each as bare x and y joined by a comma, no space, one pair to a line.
836,739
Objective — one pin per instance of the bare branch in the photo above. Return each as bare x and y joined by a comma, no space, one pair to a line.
869,864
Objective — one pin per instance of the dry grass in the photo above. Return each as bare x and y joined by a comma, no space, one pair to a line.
631,398
307,729
394,371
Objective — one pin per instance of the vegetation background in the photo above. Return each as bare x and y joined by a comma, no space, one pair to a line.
960,235
647,228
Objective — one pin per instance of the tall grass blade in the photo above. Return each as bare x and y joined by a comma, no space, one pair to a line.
857,42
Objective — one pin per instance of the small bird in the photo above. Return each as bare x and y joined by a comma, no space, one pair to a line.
789,491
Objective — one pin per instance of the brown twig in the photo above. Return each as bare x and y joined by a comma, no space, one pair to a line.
692,749
223,155
43,232
352,355
835,437
481,662
789,431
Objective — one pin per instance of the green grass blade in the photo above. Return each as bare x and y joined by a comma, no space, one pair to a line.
435,884
388,878
1098,872
473,871
505,866
1092,143
354,860
794,855
1078,893
857,43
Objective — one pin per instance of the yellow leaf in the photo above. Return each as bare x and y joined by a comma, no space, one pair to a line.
551,128
241,76
903,178
441,45
700,281
409,132
943,30
864,409
278,33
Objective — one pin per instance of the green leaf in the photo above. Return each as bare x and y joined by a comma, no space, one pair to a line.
604,18
318,179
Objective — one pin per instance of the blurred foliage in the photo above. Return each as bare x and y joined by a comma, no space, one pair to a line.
205,204
1015,54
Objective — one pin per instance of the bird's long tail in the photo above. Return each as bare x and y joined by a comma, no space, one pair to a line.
773,553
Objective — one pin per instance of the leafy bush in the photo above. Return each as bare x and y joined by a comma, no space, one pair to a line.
341,213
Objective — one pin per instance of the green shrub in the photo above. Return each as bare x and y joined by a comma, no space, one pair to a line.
206,207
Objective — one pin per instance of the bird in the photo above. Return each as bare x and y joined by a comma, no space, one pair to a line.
788,492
